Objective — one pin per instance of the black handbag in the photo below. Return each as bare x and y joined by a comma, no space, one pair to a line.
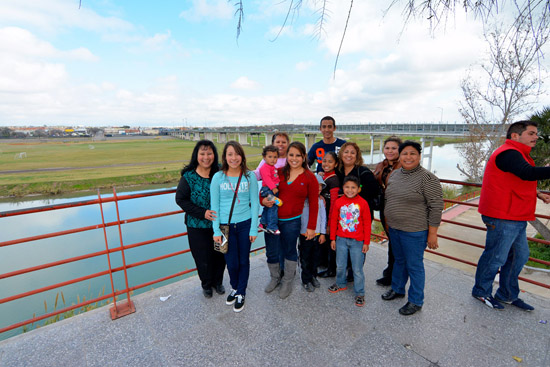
224,228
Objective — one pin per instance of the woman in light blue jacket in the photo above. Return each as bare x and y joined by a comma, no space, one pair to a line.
243,228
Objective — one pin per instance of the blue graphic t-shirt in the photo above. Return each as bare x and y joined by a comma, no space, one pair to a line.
319,149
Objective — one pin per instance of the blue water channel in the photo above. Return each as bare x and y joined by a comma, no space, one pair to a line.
39,252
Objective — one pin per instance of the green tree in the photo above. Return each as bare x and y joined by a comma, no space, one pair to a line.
5,132
541,152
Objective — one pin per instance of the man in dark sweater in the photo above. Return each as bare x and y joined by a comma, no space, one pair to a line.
508,200
329,143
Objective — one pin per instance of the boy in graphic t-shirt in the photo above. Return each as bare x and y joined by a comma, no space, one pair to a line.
350,224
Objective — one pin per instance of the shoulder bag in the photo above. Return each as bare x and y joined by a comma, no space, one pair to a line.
224,228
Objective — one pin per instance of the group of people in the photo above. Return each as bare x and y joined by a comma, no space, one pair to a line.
321,218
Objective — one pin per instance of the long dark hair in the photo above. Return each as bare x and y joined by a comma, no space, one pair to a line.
194,162
302,149
240,151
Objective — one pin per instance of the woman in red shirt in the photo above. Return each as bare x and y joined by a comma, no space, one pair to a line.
297,183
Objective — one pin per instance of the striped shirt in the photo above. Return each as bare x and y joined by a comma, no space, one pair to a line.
414,200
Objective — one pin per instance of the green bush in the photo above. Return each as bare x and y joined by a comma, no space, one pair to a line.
539,251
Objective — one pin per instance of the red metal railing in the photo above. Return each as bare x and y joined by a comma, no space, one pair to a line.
123,308
461,200
126,305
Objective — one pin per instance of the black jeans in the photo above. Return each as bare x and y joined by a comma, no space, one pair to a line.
309,257
210,263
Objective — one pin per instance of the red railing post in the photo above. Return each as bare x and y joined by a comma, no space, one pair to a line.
107,249
128,307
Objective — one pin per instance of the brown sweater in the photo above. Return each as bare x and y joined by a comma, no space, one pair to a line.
414,200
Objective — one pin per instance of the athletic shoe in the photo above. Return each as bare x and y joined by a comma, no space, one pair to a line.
360,301
239,303
276,232
315,282
490,302
520,304
308,287
335,289
231,298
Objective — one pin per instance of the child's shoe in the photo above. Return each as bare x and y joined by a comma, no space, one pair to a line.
308,287
335,288
360,301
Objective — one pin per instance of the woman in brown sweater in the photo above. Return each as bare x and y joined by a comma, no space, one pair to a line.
382,173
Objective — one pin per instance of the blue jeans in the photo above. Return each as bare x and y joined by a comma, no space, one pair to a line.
238,255
354,248
408,250
505,248
283,246
269,215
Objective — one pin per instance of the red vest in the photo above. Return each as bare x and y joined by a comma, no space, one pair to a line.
505,195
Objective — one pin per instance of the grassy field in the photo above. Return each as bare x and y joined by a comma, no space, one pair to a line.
103,164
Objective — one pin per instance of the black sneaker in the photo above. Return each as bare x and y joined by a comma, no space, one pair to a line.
491,302
522,305
384,281
308,287
231,298
409,309
315,282
239,303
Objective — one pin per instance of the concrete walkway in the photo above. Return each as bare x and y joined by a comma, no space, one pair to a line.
307,329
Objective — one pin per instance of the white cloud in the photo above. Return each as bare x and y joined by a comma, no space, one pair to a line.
382,76
157,41
30,65
208,9
304,65
53,16
245,83
18,42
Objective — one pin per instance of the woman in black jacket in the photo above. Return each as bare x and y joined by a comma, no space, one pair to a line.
193,196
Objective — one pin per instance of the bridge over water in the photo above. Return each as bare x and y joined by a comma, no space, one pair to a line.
409,129
261,135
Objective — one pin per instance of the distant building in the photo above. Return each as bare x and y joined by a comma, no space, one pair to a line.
152,131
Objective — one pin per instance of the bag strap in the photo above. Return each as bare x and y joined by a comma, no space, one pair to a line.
234,198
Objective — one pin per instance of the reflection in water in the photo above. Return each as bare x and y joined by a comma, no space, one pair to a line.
444,161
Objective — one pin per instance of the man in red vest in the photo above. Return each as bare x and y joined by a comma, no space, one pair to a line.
508,200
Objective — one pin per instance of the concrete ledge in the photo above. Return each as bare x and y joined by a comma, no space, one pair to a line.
306,329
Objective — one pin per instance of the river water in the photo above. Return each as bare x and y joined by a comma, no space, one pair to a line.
44,251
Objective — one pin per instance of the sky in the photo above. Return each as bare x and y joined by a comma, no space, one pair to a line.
179,63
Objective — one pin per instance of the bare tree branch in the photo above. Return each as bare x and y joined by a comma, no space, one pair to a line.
239,13
511,89
322,19
343,36
292,8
